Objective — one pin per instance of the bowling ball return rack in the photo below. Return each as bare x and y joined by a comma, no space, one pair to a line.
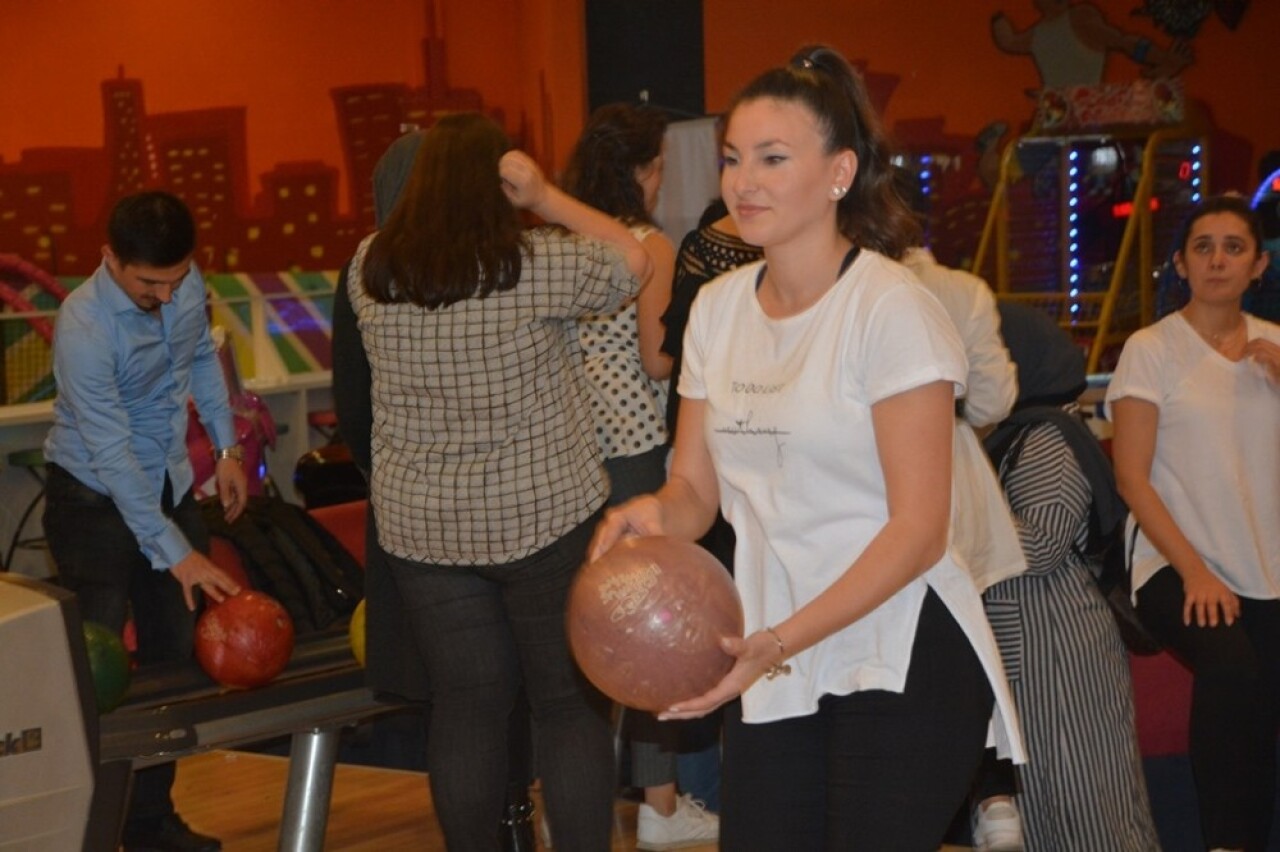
174,710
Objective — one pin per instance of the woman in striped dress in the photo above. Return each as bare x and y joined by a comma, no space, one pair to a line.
1082,787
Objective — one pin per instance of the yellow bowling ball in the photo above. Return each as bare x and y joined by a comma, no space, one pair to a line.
356,632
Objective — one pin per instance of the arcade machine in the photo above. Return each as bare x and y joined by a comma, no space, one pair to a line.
1264,301
950,212
921,166
1087,207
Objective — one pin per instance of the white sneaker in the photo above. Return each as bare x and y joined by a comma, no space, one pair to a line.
690,825
544,829
997,828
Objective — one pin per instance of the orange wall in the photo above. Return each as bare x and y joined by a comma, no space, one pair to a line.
279,58
950,67
552,82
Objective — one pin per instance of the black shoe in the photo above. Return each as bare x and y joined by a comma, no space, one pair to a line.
167,834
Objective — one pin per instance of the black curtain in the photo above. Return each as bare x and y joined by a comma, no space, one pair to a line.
646,46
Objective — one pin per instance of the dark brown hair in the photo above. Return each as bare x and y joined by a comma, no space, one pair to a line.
1234,204
151,229
871,214
618,139
453,234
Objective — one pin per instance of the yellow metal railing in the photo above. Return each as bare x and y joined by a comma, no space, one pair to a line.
1137,246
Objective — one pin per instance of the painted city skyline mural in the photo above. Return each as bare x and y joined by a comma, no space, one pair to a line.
54,200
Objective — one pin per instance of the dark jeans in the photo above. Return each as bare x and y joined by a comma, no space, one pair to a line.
872,770
98,558
1234,708
483,630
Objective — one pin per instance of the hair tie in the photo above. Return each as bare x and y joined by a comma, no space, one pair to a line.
806,62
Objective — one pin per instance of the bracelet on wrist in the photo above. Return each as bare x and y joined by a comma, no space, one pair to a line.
780,667
235,451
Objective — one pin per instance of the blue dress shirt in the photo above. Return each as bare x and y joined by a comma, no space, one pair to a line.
120,418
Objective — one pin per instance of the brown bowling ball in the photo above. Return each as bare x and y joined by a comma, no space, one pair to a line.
645,621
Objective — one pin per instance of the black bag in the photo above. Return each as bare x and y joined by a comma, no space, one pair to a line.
1106,548
290,556
1114,559
328,475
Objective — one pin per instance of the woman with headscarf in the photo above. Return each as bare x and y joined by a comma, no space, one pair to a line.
1063,655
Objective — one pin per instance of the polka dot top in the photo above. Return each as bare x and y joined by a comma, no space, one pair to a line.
627,407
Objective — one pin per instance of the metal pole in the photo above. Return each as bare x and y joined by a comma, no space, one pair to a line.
312,758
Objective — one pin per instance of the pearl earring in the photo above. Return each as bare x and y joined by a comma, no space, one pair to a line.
839,191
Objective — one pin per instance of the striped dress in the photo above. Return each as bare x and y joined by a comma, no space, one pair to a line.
1082,787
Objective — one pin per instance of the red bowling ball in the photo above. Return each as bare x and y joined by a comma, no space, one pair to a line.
245,641
645,621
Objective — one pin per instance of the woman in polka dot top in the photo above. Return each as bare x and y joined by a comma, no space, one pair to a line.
616,167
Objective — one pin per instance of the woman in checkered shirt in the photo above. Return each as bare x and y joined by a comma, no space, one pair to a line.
486,478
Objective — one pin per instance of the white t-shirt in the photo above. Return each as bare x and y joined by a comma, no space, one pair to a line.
788,425
991,387
983,536
1217,454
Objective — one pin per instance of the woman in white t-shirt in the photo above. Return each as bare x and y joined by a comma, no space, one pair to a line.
1196,404
817,411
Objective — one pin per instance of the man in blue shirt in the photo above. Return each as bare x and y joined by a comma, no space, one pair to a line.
132,345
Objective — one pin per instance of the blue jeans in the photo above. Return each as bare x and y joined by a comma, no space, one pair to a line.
483,630
98,559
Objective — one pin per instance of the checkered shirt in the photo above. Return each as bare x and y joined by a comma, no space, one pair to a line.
483,446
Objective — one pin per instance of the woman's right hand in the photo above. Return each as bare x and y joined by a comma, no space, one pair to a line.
1266,354
755,656
1204,594
639,516
522,179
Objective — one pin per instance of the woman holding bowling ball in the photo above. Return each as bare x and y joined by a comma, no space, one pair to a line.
817,412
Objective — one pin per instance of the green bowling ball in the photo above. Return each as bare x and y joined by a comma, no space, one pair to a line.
109,662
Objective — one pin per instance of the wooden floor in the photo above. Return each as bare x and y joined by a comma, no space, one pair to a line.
238,797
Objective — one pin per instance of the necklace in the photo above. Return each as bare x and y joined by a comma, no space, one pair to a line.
1220,340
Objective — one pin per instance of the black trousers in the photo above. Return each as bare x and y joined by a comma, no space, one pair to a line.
98,559
874,770
1234,707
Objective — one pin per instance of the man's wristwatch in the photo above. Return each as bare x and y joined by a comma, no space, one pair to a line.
235,451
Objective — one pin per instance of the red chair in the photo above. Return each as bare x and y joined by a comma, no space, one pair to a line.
1162,704
347,524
